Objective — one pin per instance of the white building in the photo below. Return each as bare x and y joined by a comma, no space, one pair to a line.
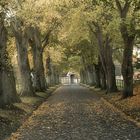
69,78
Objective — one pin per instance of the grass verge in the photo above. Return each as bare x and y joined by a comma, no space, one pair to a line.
11,118
129,106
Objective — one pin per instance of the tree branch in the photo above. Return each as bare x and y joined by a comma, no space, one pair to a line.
46,39
118,4
91,29
125,9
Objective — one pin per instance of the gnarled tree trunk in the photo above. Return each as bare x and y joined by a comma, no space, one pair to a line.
105,52
38,67
8,93
23,62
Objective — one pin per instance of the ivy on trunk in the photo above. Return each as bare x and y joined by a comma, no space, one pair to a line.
8,93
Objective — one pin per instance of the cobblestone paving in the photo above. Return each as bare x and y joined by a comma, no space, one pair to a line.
76,113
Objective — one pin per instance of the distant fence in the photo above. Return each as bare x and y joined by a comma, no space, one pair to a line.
67,80
120,82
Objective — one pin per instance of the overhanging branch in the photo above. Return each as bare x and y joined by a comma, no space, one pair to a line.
45,41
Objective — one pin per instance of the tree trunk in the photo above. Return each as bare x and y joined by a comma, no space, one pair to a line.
111,80
8,93
83,73
105,52
53,80
98,78
39,74
81,76
48,70
23,62
85,76
127,69
56,77
38,66
90,70
127,66
58,80
103,78
128,36
110,68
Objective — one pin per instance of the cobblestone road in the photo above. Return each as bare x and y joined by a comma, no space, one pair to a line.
76,113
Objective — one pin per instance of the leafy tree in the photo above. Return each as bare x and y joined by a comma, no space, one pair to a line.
127,12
